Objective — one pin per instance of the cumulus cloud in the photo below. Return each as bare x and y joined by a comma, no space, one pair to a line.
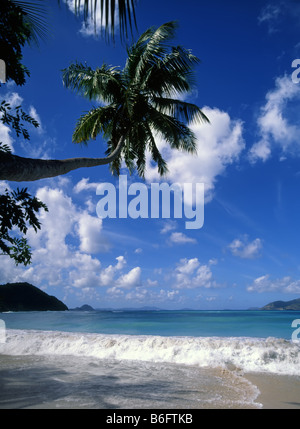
245,249
61,247
131,279
107,276
220,144
90,234
63,252
283,285
190,274
276,127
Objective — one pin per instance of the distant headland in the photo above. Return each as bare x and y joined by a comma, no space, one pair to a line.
26,297
283,305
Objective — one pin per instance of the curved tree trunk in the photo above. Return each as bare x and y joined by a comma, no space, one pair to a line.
18,169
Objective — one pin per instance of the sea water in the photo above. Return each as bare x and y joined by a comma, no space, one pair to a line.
142,359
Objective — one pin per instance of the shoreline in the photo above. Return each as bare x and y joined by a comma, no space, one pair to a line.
276,391
51,368
38,382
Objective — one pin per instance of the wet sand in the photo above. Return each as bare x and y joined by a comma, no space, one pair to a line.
39,382
276,391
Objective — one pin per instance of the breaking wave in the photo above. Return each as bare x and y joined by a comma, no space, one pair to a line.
270,355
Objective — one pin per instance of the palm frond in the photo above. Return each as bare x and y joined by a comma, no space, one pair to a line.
104,83
156,155
181,110
91,124
152,46
172,74
173,131
35,15
107,11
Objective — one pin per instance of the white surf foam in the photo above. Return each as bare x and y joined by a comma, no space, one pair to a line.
249,354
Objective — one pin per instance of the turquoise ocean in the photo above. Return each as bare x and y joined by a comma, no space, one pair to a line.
143,359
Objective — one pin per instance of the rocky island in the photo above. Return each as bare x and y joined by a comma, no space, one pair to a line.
26,297
84,307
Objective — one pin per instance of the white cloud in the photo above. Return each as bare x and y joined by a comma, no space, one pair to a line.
5,136
34,114
275,126
283,285
245,249
270,15
39,148
180,238
14,99
152,283
275,13
188,266
108,274
84,185
91,235
169,225
220,143
60,250
142,295
4,185
190,274
131,279
260,150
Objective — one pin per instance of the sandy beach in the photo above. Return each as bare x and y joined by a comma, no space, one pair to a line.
55,369
276,391
33,382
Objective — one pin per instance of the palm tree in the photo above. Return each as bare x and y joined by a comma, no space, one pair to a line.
135,104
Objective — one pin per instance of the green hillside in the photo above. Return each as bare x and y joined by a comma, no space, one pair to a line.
283,305
26,297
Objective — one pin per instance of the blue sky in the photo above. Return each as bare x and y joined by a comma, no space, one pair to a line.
247,252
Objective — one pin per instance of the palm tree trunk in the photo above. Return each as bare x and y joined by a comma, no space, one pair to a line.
18,169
